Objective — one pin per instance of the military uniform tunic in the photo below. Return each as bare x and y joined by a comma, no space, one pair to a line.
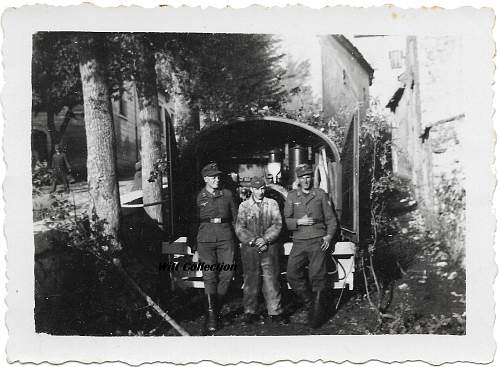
61,166
307,240
216,214
219,205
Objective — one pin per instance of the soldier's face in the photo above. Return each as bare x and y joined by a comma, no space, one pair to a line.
258,194
212,181
305,182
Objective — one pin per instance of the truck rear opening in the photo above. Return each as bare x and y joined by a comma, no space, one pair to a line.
268,147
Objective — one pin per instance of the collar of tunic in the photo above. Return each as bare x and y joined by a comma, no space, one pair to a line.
206,193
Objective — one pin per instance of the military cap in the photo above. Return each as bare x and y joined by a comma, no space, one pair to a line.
211,169
257,182
303,169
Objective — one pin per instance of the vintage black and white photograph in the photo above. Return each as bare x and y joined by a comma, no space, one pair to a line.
210,183
247,184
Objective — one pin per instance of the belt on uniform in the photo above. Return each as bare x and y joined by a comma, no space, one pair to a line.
215,220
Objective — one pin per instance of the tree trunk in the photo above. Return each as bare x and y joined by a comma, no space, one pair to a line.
56,135
64,125
101,154
186,116
150,153
195,117
51,128
149,120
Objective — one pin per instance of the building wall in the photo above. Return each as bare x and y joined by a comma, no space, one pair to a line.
345,82
427,132
440,78
376,50
413,157
127,132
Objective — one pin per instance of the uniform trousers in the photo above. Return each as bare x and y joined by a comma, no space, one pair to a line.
211,253
59,177
261,270
307,252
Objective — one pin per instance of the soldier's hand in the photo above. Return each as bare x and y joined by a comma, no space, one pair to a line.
196,257
305,221
259,242
263,248
326,243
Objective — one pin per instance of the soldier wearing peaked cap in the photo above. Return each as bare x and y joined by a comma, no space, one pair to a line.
216,212
309,216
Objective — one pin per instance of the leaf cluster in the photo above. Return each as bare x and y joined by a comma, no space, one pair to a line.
55,77
228,74
84,232
413,323
451,196
41,176
160,168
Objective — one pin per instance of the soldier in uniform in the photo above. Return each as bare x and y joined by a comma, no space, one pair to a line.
61,168
217,213
258,227
309,215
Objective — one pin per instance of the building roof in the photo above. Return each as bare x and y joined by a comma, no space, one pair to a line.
355,53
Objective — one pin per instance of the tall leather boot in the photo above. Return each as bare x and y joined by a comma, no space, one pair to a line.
306,298
212,313
317,310
221,301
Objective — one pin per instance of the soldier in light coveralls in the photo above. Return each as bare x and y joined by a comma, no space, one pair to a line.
309,215
258,227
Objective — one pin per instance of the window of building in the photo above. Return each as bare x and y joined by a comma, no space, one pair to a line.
167,117
123,102
396,58
163,114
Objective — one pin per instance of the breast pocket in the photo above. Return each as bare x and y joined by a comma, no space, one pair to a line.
299,210
205,208
315,209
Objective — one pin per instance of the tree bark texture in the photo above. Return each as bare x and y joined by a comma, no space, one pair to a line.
51,126
186,116
101,154
150,153
149,120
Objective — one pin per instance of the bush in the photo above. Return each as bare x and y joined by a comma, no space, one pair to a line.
450,195
41,176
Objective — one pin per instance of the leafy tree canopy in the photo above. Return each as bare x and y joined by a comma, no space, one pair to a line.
228,74
55,77
222,74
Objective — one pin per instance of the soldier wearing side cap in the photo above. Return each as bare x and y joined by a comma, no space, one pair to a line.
217,212
258,227
309,215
